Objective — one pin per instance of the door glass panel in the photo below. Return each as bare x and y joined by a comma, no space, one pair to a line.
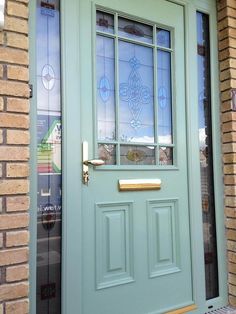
206,157
107,153
137,155
135,30
166,156
136,93
164,97
133,92
49,185
105,22
163,38
105,66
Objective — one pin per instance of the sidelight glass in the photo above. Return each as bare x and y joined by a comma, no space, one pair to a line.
49,184
134,98
206,157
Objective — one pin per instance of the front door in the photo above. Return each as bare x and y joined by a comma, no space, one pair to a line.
135,239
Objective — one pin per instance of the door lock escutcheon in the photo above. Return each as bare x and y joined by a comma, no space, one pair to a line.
87,163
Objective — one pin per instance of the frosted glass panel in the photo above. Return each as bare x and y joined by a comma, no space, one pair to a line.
135,30
164,97
136,93
105,88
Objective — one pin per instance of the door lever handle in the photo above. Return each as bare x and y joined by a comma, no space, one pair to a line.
94,162
87,163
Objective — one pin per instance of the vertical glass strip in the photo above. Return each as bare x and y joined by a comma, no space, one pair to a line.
206,156
49,202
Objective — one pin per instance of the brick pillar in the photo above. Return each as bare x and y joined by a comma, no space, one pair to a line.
14,159
227,57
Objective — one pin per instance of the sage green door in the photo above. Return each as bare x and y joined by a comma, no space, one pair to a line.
135,244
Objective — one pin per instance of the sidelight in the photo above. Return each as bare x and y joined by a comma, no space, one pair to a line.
206,157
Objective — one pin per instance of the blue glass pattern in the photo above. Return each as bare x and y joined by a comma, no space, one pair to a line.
136,93
164,97
105,73
105,22
163,38
49,183
138,31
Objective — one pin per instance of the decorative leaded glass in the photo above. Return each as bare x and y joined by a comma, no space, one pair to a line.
134,92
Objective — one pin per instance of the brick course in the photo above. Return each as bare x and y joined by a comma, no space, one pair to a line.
227,56
14,160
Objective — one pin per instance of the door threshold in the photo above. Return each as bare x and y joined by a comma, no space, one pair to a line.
182,310
223,310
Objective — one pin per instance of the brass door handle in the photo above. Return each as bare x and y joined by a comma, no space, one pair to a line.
87,163
94,162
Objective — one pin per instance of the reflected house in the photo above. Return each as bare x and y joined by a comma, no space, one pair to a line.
149,86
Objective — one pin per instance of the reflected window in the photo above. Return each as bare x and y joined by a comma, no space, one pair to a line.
134,92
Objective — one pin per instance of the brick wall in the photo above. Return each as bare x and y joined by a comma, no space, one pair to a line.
14,157
227,56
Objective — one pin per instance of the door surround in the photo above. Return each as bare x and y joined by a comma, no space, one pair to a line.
71,96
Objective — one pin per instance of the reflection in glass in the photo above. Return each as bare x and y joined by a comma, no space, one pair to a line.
163,38
105,22
164,91
107,153
136,93
166,156
206,157
137,155
131,29
105,67
49,184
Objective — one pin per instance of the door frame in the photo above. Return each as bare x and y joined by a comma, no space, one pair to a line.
71,281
